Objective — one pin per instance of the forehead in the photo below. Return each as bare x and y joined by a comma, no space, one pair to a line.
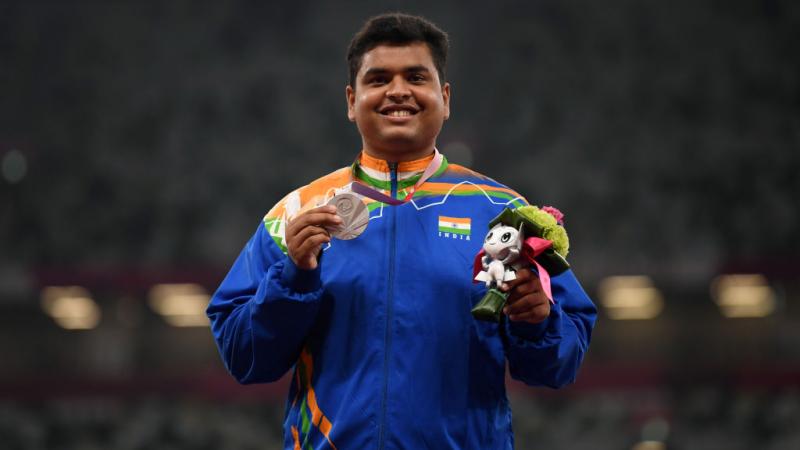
397,57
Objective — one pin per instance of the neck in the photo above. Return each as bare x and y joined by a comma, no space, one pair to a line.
398,156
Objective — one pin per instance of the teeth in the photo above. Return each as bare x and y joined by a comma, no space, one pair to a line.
399,113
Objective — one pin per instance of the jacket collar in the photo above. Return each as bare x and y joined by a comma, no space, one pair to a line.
377,173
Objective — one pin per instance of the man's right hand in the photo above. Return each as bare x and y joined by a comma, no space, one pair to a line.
306,233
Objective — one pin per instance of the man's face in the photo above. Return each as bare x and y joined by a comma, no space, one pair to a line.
398,103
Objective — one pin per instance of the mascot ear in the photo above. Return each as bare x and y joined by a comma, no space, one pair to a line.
520,237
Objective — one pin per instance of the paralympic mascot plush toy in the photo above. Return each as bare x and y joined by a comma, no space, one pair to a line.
526,236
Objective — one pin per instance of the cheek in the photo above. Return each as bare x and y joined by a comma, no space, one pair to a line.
366,101
433,100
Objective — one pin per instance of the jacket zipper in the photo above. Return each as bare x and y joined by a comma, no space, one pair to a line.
387,337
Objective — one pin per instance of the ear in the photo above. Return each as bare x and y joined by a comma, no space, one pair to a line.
350,93
446,97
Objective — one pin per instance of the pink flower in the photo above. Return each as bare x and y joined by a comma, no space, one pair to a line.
559,216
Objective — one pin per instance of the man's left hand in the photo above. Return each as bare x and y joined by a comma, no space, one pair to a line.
527,301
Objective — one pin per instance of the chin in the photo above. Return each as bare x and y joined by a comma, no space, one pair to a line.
399,139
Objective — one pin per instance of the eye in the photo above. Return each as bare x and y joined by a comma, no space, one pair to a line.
416,78
376,80
489,236
505,237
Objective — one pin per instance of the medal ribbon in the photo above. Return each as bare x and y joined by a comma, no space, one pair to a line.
534,247
366,191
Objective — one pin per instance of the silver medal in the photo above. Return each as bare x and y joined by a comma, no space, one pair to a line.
354,215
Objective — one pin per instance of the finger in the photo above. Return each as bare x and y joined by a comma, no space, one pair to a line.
323,215
521,305
319,219
325,209
536,315
311,246
514,297
306,253
521,276
526,303
524,274
297,240
531,286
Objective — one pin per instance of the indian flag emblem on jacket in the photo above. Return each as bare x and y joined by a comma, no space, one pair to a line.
455,227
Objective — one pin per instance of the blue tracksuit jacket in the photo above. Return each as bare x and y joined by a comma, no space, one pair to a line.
384,351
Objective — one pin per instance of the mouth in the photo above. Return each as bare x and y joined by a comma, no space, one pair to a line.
398,111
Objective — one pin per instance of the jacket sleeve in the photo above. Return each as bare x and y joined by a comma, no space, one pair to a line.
262,311
550,353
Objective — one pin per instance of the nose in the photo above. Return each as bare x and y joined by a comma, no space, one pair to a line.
398,89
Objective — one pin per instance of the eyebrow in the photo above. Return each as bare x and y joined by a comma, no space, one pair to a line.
409,69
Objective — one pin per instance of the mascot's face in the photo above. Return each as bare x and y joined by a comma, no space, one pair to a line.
500,240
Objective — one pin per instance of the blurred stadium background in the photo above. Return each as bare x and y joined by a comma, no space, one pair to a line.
141,143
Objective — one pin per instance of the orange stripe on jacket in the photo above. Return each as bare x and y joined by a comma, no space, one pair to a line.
456,187
318,419
296,437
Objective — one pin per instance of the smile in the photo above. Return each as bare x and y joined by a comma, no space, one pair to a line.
399,113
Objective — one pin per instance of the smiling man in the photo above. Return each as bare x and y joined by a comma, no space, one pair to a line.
399,101
376,323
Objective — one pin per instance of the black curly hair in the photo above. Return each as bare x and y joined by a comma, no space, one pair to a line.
397,29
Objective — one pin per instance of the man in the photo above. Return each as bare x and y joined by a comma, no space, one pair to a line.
378,328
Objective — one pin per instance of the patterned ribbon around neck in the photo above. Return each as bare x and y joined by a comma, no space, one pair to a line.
366,191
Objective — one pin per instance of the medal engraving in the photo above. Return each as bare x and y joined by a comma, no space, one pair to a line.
354,215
